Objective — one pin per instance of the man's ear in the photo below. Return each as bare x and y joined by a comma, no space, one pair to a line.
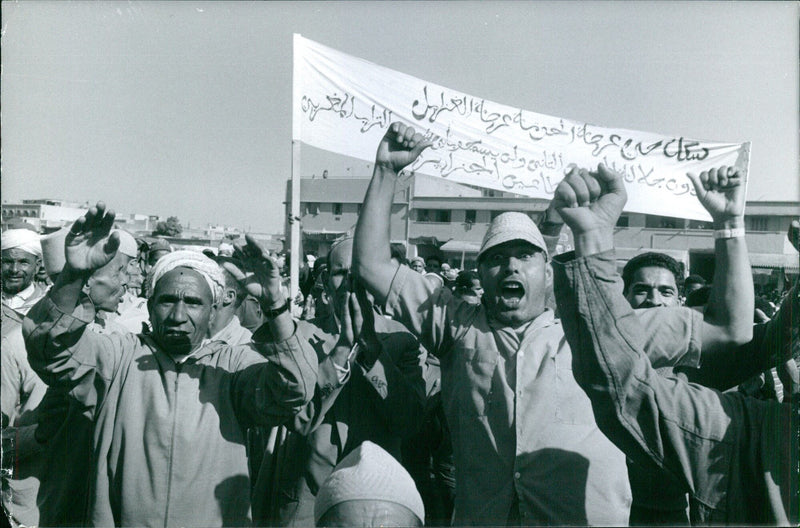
548,274
228,297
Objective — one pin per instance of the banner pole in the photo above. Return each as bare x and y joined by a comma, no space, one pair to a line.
294,223
294,214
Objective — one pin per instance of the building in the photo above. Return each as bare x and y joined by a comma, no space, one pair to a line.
45,215
434,216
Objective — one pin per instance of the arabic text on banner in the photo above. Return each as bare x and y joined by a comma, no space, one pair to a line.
344,104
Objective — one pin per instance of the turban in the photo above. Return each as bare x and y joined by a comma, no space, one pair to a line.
369,473
193,260
24,239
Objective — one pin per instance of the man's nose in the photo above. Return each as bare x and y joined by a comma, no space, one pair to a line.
655,299
512,264
178,312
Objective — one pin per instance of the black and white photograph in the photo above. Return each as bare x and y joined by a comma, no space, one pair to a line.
400,263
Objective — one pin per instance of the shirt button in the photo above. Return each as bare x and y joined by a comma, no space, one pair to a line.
517,475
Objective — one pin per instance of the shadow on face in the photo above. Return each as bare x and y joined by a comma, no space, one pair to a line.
18,270
181,310
106,286
652,287
514,276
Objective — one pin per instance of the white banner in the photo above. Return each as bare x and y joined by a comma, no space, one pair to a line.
344,104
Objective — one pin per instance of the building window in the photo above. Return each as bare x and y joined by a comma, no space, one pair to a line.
337,209
699,224
423,215
663,222
623,221
470,216
312,208
756,223
495,214
443,216
489,193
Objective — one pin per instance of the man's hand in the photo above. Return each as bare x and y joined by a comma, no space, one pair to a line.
722,193
590,201
89,245
400,146
358,326
259,274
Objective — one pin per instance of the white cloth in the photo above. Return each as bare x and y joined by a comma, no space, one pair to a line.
369,473
24,239
198,262
18,300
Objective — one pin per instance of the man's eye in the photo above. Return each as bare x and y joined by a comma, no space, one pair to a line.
525,256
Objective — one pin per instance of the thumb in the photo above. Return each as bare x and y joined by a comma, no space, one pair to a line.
112,244
611,180
419,147
698,185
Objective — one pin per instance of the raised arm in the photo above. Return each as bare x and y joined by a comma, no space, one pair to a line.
681,427
729,314
59,350
372,261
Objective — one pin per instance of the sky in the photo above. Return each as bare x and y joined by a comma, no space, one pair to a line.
184,108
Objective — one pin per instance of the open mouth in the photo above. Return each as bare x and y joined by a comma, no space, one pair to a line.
511,292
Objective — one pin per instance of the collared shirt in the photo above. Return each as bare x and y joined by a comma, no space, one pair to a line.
131,313
521,426
22,301
233,333
168,443
737,457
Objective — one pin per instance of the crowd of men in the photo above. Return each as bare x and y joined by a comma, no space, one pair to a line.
143,386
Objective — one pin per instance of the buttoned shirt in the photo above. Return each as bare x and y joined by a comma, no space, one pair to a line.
522,429
737,457
22,301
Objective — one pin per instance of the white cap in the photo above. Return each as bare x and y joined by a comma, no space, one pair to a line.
512,226
369,473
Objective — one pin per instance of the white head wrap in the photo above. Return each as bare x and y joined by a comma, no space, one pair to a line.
198,262
24,239
369,473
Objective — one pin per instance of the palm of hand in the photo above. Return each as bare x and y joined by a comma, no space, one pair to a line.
88,251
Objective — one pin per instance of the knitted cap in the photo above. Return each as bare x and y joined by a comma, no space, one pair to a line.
369,473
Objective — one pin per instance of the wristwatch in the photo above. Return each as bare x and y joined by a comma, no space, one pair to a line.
272,314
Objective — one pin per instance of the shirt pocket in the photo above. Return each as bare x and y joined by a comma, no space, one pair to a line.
473,370
573,407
